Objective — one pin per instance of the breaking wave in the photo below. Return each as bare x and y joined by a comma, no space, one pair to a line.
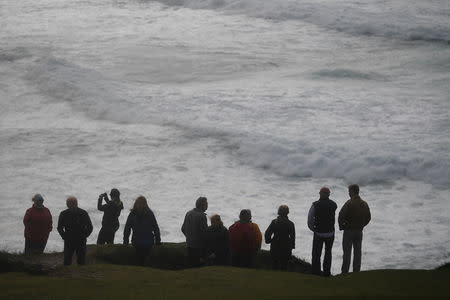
364,161
404,19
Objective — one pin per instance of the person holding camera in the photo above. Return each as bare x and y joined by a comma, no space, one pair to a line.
110,221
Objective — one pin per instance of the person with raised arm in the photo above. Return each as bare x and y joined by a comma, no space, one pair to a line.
111,212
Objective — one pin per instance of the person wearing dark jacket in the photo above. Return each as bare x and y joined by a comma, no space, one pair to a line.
194,229
110,221
38,224
217,242
353,217
142,222
281,236
321,219
74,226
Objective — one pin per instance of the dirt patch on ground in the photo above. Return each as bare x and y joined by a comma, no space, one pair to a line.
51,264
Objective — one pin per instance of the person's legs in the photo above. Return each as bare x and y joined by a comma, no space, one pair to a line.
328,256
68,253
141,254
275,260
81,253
111,235
101,237
357,245
316,254
284,259
28,248
194,256
347,251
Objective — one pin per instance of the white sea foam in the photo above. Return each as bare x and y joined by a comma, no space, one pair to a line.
405,19
253,112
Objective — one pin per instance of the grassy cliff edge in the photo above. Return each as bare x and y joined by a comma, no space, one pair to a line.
109,275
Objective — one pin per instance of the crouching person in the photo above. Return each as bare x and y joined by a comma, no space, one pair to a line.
74,226
142,222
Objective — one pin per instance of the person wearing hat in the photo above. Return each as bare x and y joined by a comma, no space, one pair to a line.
321,219
111,212
38,224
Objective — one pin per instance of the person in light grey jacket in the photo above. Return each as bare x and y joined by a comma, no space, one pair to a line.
194,229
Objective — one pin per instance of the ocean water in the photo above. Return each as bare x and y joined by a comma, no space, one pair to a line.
251,103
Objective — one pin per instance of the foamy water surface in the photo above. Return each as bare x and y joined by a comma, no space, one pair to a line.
251,103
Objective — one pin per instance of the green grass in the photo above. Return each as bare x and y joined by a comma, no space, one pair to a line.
127,282
109,277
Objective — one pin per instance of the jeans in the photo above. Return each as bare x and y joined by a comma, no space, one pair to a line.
351,239
318,243
141,254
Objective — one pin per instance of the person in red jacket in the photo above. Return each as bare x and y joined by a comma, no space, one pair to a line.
38,224
245,240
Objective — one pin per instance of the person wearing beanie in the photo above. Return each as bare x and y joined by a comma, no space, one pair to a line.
321,219
38,225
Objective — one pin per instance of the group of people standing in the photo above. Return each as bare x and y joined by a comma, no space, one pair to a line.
214,244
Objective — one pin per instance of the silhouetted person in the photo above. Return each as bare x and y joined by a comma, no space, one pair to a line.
194,229
38,224
74,226
110,221
281,236
245,240
142,222
217,242
321,219
353,217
